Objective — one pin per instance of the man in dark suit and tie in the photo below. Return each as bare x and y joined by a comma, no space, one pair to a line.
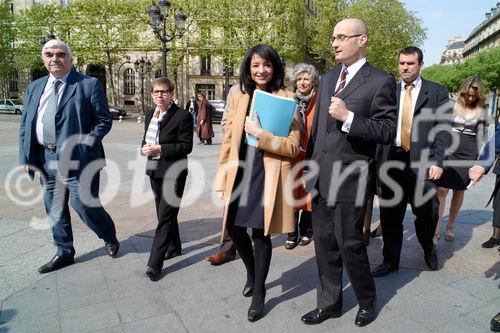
65,118
424,126
355,112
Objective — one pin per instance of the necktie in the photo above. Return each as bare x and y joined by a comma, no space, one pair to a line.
406,118
49,116
343,77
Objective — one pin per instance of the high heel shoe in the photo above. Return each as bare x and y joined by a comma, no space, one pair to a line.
248,289
256,310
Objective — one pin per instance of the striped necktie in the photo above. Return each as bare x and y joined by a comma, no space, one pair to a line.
49,116
343,77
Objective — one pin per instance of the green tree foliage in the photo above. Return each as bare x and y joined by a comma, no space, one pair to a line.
484,64
447,76
391,27
102,31
6,45
227,28
32,25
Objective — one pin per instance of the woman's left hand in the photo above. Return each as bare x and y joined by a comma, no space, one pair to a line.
252,127
152,150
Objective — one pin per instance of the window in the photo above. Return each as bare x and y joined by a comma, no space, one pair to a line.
157,73
205,65
64,3
129,82
13,83
208,89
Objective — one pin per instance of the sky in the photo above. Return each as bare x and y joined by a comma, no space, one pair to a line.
445,19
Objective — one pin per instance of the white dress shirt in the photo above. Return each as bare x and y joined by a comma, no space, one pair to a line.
43,103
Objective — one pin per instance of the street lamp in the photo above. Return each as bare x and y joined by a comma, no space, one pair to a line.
142,67
225,71
44,39
159,16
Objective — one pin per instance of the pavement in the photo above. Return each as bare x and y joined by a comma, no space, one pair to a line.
102,294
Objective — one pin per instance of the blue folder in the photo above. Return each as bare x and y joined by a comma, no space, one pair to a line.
275,113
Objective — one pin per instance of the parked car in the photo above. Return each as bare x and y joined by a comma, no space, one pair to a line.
116,112
11,106
219,109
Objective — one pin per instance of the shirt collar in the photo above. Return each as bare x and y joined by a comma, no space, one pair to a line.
62,79
416,83
354,68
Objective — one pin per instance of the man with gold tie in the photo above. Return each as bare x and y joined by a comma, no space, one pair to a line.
416,157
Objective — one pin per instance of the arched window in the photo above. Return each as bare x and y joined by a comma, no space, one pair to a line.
129,82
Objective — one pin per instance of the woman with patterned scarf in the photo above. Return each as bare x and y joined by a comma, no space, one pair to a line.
306,80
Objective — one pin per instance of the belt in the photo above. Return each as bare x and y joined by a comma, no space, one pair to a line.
51,148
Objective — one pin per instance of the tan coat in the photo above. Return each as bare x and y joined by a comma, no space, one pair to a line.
278,156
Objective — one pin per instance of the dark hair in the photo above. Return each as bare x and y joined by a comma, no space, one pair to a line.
412,50
247,84
202,94
163,81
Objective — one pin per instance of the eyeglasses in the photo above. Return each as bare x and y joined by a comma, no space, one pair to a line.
342,38
159,92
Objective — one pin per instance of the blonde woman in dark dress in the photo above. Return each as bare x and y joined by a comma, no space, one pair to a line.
467,127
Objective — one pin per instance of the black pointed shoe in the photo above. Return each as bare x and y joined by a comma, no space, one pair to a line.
431,260
248,289
318,316
56,263
363,317
256,310
152,274
492,242
384,269
112,247
172,254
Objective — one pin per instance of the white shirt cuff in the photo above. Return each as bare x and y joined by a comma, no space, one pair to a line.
347,124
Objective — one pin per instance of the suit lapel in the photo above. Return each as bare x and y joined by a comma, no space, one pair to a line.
239,119
398,94
360,78
69,90
37,95
422,96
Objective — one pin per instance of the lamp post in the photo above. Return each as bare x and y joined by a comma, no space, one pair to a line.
158,18
225,71
142,67
44,39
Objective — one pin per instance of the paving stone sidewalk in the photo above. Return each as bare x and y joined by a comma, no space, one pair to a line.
101,294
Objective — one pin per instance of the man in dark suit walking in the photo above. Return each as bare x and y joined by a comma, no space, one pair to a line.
355,112
424,126
65,118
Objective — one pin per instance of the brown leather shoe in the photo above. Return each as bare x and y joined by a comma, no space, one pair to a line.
220,258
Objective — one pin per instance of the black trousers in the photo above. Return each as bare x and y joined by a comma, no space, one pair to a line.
391,217
303,226
338,241
168,193
257,258
496,203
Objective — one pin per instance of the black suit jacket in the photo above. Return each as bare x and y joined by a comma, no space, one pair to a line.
370,95
175,138
431,125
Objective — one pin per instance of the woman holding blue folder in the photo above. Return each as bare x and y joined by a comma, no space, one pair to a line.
255,180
